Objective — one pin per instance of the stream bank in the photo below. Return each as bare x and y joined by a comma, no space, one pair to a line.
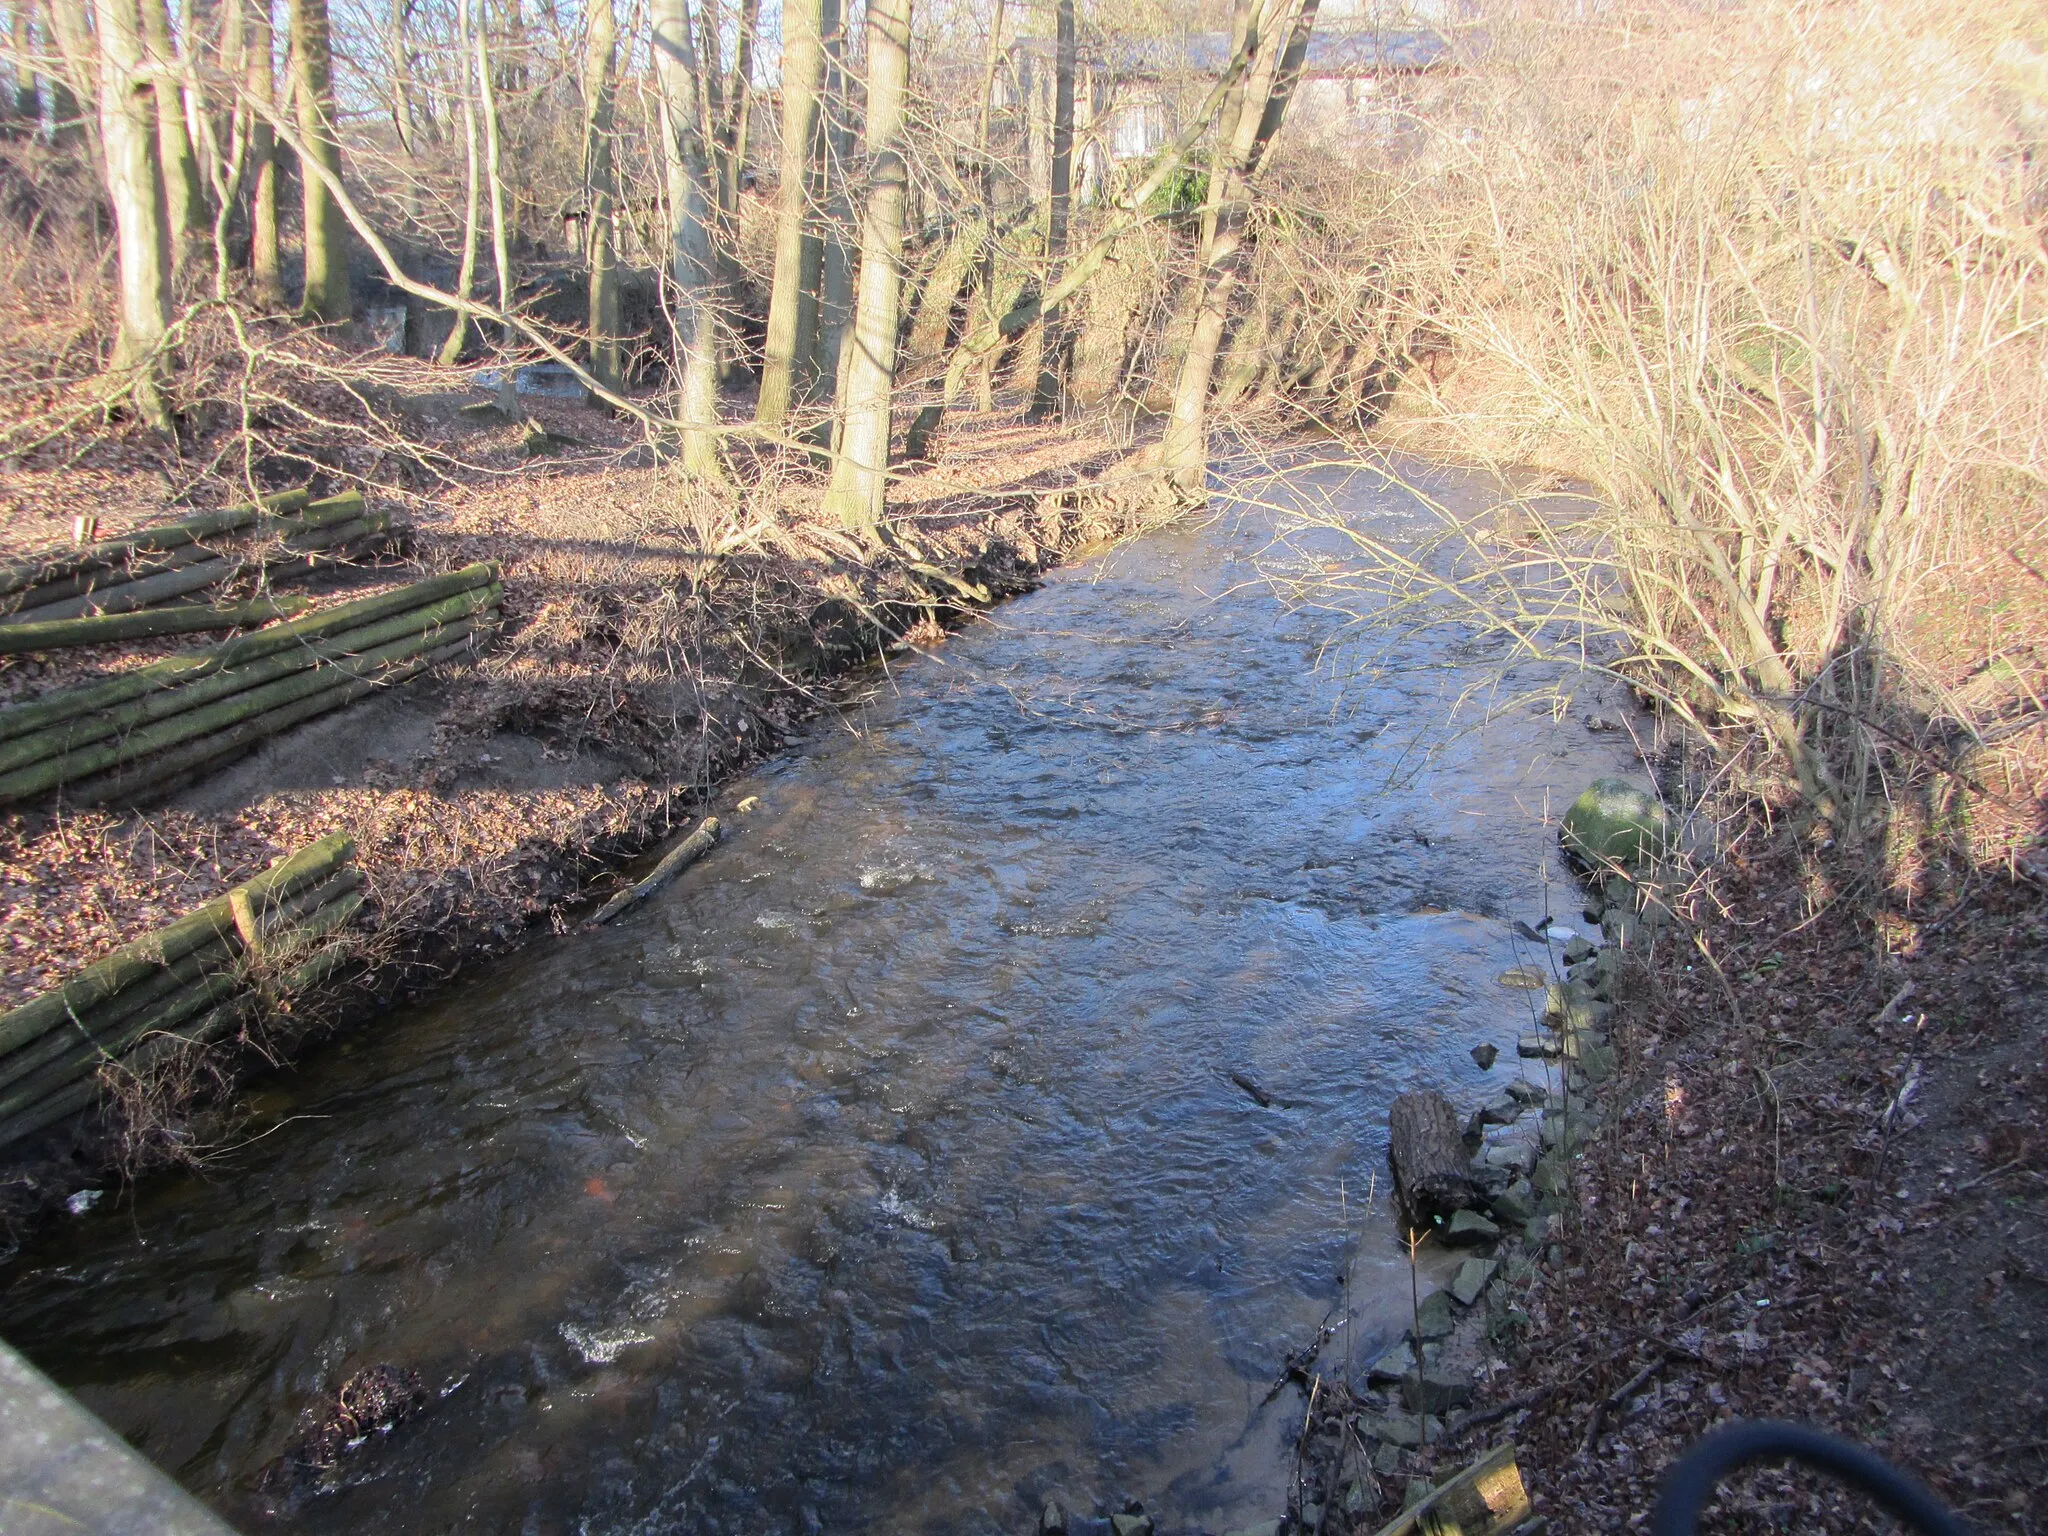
895,1168
637,670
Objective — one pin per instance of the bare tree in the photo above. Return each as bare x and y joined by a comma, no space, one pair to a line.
600,189
860,472
135,184
328,297
691,199
187,197
1048,398
259,79
465,277
1274,33
789,362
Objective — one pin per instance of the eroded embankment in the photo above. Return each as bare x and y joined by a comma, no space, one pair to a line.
1808,1185
634,670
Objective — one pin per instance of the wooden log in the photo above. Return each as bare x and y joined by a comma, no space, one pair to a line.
81,1094
46,602
166,769
110,628
105,1021
174,671
79,1057
129,595
221,715
143,957
1432,1169
77,734
20,576
673,863
1486,1499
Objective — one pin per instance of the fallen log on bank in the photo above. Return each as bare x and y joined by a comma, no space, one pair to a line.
673,863
149,624
185,985
157,565
141,728
58,565
1432,1169
1486,1499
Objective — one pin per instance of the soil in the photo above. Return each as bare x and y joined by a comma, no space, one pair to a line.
655,637
1819,1193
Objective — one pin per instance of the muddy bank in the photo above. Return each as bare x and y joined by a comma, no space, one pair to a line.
648,651
1813,1189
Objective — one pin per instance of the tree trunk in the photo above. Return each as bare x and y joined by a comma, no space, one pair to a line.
328,298
28,91
600,187
1432,1169
465,277
1276,34
69,121
184,193
691,199
835,258
789,362
1049,397
494,179
266,272
135,182
860,472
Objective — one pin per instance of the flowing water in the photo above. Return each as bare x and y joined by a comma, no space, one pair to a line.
891,1171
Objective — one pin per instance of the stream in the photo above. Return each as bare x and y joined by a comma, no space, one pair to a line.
896,1168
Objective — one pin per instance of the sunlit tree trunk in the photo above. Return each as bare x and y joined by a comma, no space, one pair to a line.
691,199
465,278
186,193
835,275
600,186
135,182
69,118
1276,32
789,360
328,297
487,79
266,270
860,471
1048,398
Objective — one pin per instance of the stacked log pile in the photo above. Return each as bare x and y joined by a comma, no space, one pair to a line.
141,731
184,986
98,592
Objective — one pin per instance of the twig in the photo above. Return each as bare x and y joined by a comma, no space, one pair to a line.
1618,1398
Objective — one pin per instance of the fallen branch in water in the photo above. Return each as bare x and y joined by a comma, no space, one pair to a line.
678,859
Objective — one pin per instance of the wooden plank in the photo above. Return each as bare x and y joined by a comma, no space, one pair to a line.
1486,1499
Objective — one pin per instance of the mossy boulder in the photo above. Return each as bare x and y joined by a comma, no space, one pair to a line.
1616,823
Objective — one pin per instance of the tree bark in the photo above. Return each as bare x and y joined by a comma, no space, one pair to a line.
266,271
69,121
1049,396
184,193
860,471
1432,1169
1276,33
691,199
494,179
135,183
600,188
835,259
328,297
789,361
465,277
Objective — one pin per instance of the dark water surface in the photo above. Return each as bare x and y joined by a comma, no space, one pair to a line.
887,1173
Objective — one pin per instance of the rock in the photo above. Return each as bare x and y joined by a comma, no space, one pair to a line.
1486,1055
1596,1060
1501,1109
1525,1092
1538,1047
1311,1517
1619,928
1516,1204
1552,1176
1469,1283
1468,1229
1393,1364
1053,1521
1436,1392
1434,1318
1259,1528
1615,823
1139,1524
1387,1459
1406,1430
1578,950
1419,1488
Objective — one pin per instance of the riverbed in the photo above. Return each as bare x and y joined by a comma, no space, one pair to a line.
905,1163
